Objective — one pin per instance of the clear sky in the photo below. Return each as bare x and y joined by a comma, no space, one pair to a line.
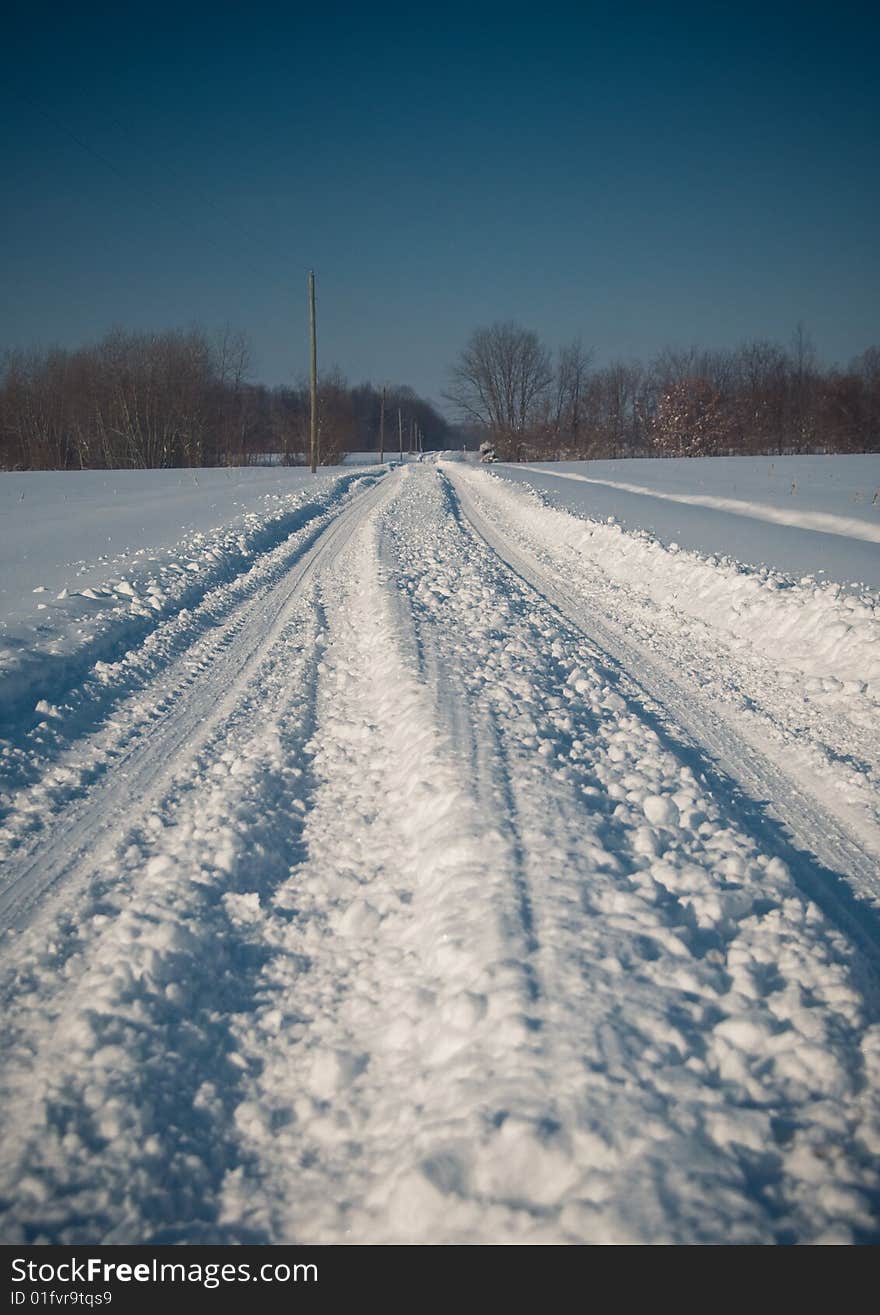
638,174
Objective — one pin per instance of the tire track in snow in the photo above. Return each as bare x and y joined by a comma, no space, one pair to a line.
122,1104
676,1118
493,780
225,568
120,1098
93,722
475,738
790,664
419,1041
260,1026
154,748
813,833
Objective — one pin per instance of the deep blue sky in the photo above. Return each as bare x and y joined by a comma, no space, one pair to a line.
639,174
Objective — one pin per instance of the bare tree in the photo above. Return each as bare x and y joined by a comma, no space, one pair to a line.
866,369
758,389
802,391
691,419
613,419
571,382
182,398
501,380
336,431
232,364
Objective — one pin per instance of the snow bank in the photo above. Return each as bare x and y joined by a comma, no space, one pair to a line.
72,529
79,626
819,631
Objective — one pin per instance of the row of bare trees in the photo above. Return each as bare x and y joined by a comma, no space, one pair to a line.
183,398
757,398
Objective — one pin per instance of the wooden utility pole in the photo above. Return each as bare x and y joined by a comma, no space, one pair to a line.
400,431
382,429
313,379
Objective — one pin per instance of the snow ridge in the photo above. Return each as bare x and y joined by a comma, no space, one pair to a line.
817,630
50,751
851,527
95,624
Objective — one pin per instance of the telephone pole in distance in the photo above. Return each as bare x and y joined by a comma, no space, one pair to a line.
313,379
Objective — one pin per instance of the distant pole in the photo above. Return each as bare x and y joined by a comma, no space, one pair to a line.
313,378
382,429
400,431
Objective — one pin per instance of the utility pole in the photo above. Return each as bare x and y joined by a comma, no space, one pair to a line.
313,379
382,429
400,431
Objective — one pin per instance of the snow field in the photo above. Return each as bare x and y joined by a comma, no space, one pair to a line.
71,530
792,517
855,522
383,913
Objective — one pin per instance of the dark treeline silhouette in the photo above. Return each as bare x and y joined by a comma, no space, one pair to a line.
182,398
758,398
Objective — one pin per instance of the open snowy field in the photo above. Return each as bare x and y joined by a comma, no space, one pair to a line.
89,556
409,855
801,515
68,530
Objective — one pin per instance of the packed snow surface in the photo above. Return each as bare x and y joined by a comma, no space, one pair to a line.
433,864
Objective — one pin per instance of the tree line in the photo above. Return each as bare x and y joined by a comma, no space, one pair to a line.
185,398
758,398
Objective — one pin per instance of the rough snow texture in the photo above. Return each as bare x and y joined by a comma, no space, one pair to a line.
96,646
89,556
794,663
813,628
421,930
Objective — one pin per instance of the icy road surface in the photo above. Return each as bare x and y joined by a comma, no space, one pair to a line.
435,865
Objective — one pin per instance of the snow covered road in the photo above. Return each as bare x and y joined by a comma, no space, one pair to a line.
429,881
